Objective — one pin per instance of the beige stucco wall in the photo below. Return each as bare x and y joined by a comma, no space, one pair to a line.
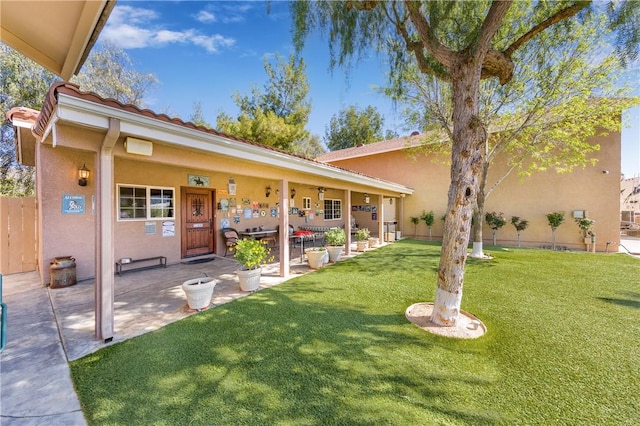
169,167
531,198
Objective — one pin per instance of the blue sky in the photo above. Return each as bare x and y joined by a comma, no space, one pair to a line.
205,51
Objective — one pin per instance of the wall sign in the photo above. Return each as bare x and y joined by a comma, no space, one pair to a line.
73,204
197,180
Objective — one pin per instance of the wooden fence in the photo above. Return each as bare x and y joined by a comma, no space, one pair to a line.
18,238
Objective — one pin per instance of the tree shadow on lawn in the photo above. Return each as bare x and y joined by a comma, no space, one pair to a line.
300,362
632,300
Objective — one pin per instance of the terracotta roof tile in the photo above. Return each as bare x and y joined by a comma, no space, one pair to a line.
70,89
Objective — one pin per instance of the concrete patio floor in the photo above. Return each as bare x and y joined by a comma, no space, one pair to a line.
147,300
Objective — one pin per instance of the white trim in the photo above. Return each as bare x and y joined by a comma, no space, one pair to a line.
94,115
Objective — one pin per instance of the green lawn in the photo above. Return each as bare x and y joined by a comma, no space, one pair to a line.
334,347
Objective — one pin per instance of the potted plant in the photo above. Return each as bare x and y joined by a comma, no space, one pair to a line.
251,255
199,292
316,256
335,239
362,239
520,225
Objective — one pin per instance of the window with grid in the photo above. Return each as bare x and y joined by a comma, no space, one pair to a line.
332,209
145,202
306,203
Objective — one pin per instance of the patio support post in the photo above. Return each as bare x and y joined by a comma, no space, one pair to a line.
104,261
381,219
347,222
284,228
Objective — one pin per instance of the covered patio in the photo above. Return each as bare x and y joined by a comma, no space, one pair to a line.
147,300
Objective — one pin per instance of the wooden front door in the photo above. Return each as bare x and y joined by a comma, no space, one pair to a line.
197,221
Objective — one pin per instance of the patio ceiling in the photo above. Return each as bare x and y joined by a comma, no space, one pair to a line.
58,35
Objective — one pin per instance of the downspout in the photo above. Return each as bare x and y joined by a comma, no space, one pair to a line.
104,260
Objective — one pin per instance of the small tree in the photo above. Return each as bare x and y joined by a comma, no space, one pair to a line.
415,221
520,225
428,218
586,225
495,221
555,219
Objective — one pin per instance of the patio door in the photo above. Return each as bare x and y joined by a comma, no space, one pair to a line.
197,221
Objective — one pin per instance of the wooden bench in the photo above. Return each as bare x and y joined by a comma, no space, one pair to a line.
161,262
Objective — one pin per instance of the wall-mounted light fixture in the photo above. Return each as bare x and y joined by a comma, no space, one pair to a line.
83,174
232,186
321,193
293,192
366,198
390,200
267,191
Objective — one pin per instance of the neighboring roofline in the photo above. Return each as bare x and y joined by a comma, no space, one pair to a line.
65,102
382,147
416,140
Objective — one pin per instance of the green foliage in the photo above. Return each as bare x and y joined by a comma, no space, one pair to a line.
352,127
197,116
495,220
415,220
519,223
251,254
586,225
335,237
305,352
310,147
110,73
555,219
107,71
276,116
427,217
23,83
362,234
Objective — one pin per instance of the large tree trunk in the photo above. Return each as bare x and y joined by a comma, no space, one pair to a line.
478,212
467,155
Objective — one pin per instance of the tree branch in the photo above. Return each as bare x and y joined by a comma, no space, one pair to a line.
440,52
490,25
553,19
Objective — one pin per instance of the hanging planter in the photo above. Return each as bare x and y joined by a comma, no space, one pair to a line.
199,292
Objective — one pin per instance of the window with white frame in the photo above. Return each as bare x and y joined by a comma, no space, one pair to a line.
332,209
145,202
306,203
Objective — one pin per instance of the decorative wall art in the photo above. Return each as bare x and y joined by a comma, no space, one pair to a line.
198,180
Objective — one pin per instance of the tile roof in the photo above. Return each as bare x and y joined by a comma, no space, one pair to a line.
41,120
412,141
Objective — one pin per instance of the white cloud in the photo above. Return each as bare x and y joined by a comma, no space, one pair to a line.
205,17
132,28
